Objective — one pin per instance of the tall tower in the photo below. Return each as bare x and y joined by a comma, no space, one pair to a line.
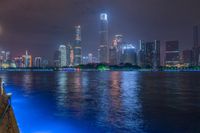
103,57
27,60
196,48
156,54
77,46
63,56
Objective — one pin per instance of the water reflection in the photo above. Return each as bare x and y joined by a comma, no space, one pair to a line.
27,81
61,90
106,102
88,96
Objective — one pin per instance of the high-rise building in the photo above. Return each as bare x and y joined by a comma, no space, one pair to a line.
3,55
98,55
187,57
18,62
27,60
2,58
113,55
115,50
196,47
56,58
77,46
45,63
118,40
7,56
89,59
141,54
149,54
70,54
63,56
103,53
172,53
38,62
156,54
129,54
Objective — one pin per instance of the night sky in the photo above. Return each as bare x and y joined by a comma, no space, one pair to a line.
41,25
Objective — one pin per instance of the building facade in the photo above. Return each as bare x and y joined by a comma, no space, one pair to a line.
103,48
77,46
172,53
149,54
27,60
129,54
187,57
196,47
115,51
113,55
38,62
63,57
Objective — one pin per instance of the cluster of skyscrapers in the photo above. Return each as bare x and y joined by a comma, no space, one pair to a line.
148,54
69,54
119,51
24,61
4,58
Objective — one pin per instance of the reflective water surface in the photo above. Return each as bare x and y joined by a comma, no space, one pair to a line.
105,102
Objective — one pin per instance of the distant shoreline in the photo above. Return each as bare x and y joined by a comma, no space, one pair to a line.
89,69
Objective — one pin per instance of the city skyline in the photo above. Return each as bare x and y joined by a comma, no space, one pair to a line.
139,19
148,54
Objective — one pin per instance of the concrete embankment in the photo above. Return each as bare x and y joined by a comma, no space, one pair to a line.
8,123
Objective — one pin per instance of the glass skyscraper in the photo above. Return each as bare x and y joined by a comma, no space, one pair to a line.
103,49
172,53
77,46
149,54
196,48
63,56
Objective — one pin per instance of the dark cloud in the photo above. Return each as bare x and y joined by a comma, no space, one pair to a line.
40,25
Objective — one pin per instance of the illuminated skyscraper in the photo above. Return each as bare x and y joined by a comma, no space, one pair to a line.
113,55
115,51
89,59
38,62
187,57
172,53
156,54
63,56
18,61
27,60
7,56
129,54
118,40
70,54
196,47
149,54
103,55
56,58
77,46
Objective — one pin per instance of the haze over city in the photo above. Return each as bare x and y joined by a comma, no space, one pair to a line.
40,26
99,66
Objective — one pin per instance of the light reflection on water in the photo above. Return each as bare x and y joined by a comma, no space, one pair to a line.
105,102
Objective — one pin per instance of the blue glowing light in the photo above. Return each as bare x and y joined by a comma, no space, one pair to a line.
128,46
104,16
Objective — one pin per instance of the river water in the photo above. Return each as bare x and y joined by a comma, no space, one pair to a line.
105,102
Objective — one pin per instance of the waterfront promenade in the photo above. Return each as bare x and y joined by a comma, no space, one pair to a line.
8,123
